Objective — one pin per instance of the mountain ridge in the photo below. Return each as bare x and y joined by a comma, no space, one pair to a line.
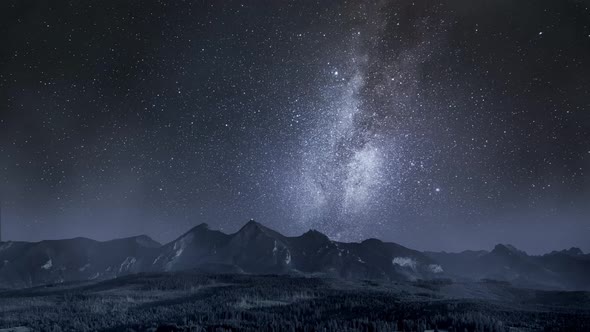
257,249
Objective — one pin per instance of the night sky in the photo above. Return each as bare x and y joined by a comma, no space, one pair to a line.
441,126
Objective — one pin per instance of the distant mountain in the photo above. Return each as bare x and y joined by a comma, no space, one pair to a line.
575,252
566,269
25,264
256,249
572,266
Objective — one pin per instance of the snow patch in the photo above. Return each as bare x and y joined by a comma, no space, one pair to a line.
127,263
404,262
83,268
157,259
181,244
47,265
435,268
288,258
5,246
179,247
96,275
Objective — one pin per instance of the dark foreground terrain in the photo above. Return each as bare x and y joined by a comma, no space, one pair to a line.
224,302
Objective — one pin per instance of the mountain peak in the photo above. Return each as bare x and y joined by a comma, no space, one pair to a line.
199,228
256,248
252,222
372,241
147,241
507,249
253,228
316,235
573,251
251,225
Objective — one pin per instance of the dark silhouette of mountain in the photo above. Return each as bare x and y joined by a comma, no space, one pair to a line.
573,251
196,247
567,269
571,265
256,249
25,264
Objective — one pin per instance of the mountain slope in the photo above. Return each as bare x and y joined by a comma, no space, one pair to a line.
253,249
196,247
25,264
257,249
558,270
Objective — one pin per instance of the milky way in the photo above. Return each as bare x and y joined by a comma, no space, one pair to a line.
342,168
355,155
436,125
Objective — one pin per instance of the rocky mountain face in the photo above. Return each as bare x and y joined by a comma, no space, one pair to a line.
256,249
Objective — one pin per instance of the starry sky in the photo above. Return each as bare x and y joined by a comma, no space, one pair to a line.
440,126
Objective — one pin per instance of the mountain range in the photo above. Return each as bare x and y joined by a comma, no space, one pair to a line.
256,249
